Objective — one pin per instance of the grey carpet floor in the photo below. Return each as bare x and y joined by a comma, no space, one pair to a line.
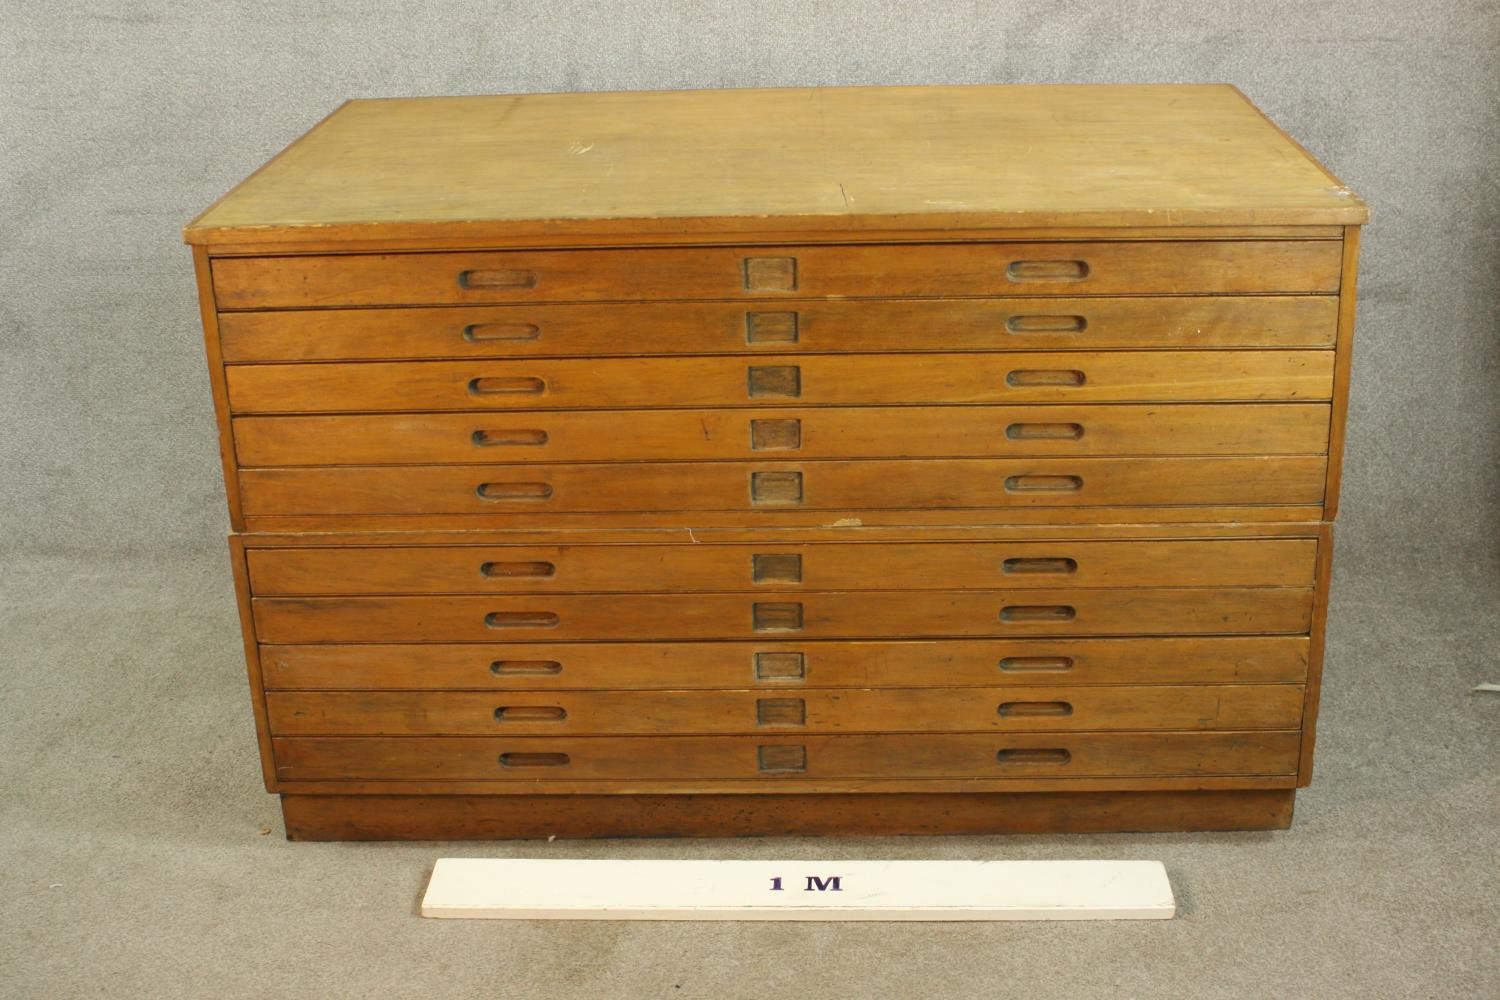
142,859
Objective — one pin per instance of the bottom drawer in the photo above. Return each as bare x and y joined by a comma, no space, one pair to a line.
540,758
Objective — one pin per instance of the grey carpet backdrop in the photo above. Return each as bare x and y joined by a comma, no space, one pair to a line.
142,858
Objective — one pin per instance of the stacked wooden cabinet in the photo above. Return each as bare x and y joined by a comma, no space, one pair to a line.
942,459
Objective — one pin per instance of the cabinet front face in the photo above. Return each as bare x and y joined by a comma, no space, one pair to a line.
729,516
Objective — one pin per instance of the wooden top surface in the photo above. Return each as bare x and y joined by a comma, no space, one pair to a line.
795,161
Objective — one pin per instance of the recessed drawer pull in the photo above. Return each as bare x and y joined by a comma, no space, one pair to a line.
518,437
514,491
776,616
1046,324
781,757
513,570
534,760
1036,664
771,666
1038,613
521,619
525,668
484,333
534,713
1040,566
1029,755
500,277
1043,484
523,385
1047,270
781,712
1044,432
1023,378
1035,709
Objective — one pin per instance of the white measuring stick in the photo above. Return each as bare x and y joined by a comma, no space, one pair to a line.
531,889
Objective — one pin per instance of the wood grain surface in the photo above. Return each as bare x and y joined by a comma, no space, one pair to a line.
778,614
823,159
838,326
829,485
786,665
783,380
825,710
814,433
781,273
775,758
347,569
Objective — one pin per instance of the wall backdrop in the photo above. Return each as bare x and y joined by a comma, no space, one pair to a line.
120,120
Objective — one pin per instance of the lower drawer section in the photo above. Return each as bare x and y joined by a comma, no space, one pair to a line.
584,617
537,759
828,710
552,666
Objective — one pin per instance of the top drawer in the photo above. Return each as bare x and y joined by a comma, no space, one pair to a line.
1022,269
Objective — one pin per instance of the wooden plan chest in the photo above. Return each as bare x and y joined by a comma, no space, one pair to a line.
855,460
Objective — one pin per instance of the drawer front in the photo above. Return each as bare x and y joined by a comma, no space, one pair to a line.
606,329
772,666
783,614
623,758
855,432
1022,269
734,486
828,710
1285,562
783,381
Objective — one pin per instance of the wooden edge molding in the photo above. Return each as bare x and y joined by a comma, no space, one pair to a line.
1313,688
208,310
252,662
415,236
1342,368
1269,520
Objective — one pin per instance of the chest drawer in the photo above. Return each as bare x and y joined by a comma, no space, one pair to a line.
785,665
829,710
716,272
607,329
782,614
827,566
1016,755
934,484
782,380
813,433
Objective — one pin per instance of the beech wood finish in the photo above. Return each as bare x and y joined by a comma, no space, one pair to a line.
966,465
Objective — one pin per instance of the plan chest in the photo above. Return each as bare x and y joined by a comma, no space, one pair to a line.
932,459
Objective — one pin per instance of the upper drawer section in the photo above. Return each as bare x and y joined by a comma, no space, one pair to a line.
1022,269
